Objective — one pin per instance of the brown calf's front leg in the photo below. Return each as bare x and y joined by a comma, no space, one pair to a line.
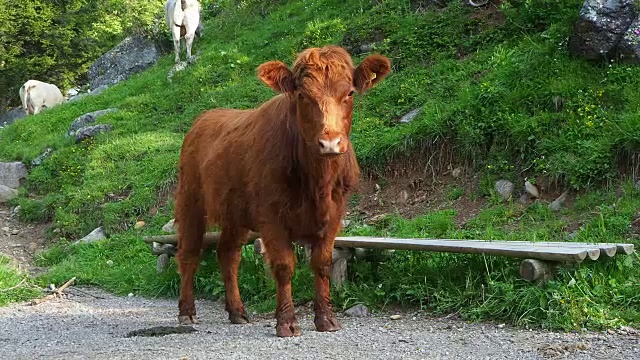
282,261
321,256
229,253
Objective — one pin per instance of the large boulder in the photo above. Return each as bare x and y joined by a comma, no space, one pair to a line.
601,27
12,173
91,131
86,119
7,193
629,46
12,115
131,56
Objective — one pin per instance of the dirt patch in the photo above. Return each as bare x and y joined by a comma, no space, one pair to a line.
20,241
161,331
419,191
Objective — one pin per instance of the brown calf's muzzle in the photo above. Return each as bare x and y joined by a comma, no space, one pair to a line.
332,144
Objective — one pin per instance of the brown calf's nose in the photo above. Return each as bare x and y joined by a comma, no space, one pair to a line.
331,146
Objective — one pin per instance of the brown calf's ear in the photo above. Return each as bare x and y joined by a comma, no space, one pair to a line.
277,75
372,70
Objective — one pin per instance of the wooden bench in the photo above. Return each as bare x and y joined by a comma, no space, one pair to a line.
539,264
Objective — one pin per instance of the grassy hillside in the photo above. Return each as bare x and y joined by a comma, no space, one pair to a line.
498,84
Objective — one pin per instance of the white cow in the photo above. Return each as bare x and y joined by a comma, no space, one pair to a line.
183,19
36,95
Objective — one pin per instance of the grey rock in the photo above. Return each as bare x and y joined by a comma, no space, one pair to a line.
524,199
98,90
600,28
86,119
456,172
176,68
403,197
132,55
345,223
14,212
168,227
73,92
637,185
12,116
504,188
38,161
572,235
7,193
557,203
12,173
408,117
531,189
90,131
95,235
358,311
629,46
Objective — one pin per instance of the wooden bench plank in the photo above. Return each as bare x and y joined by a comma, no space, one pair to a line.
606,249
471,247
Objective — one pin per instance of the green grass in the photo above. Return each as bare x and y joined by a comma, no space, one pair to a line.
14,285
505,93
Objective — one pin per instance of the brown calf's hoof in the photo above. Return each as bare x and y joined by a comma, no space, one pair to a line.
238,318
187,320
288,329
327,323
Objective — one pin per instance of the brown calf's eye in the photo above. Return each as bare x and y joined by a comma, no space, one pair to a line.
350,93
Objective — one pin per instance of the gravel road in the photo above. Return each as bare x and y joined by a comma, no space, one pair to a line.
94,325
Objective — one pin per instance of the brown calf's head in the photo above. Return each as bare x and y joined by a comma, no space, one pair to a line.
323,81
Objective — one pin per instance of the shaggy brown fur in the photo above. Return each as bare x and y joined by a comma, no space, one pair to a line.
268,170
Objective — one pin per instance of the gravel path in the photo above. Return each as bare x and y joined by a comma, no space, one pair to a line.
95,326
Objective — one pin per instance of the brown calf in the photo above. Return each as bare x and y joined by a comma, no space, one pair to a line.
284,169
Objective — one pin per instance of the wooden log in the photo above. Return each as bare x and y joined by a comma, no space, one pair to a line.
536,270
159,249
338,273
606,249
162,262
259,248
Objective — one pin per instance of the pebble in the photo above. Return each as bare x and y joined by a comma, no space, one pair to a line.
5,229
139,225
395,317
15,232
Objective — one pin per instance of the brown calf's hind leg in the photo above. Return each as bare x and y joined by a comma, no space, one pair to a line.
190,219
321,255
282,262
229,253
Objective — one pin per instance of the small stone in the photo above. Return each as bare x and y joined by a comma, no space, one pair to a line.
15,211
524,199
95,235
358,311
456,172
32,247
395,317
531,189
168,227
345,223
609,331
572,235
557,203
403,198
110,262
378,187
90,131
139,225
500,326
52,287
408,117
7,193
130,295
638,185
6,229
15,232
504,188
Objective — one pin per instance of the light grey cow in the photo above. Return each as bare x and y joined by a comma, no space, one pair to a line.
183,19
